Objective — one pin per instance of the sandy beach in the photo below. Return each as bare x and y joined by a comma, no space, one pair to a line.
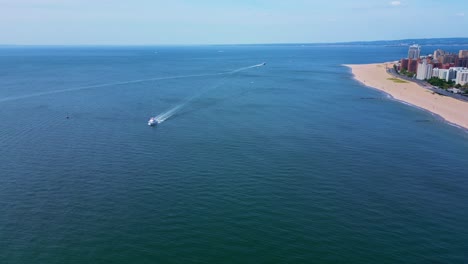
375,75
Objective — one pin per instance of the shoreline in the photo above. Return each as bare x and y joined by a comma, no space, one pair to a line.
375,76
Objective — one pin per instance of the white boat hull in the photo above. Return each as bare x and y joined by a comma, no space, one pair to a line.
152,122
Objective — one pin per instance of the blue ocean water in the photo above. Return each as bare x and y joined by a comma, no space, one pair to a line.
286,163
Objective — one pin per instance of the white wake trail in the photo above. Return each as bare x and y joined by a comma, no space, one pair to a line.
13,98
172,111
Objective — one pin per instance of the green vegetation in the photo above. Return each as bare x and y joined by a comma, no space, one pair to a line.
441,83
434,81
404,71
395,80
464,88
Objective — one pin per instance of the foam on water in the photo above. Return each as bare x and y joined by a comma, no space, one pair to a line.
13,98
169,113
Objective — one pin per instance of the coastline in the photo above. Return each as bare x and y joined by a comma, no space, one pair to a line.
375,76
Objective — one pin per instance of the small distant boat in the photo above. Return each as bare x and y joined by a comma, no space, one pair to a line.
152,122
263,64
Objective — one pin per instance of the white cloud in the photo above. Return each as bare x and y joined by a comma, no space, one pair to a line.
395,3
460,14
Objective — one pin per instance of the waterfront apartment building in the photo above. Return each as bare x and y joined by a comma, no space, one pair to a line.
446,74
414,52
447,58
412,65
404,64
441,74
462,77
435,72
440,60
438,53
424,70
457,74
452,74
462,62
463,54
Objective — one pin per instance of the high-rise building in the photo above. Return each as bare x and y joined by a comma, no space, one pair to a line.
438,53
463,54
447,58
414,52
447,65
452,73
435,72
462,77
443,74
462,62
412,65
424,70
404,64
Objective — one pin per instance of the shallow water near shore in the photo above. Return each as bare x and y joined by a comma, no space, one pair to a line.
283,163
436,117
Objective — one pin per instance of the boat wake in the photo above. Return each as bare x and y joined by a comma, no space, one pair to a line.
172,111
13,98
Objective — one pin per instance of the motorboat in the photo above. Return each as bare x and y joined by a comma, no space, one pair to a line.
152,121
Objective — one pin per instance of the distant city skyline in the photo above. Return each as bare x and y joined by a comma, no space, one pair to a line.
118,22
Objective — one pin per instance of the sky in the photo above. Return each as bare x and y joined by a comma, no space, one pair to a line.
185,22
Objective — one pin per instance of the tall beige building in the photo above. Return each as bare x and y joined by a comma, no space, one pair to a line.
463,54
438,53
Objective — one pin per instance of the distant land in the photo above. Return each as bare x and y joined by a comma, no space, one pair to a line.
394,43
407,42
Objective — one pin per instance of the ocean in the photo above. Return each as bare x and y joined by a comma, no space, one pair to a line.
290,162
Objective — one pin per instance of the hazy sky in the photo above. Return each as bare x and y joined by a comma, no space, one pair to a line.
235,21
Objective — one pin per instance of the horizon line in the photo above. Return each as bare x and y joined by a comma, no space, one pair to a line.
243,44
